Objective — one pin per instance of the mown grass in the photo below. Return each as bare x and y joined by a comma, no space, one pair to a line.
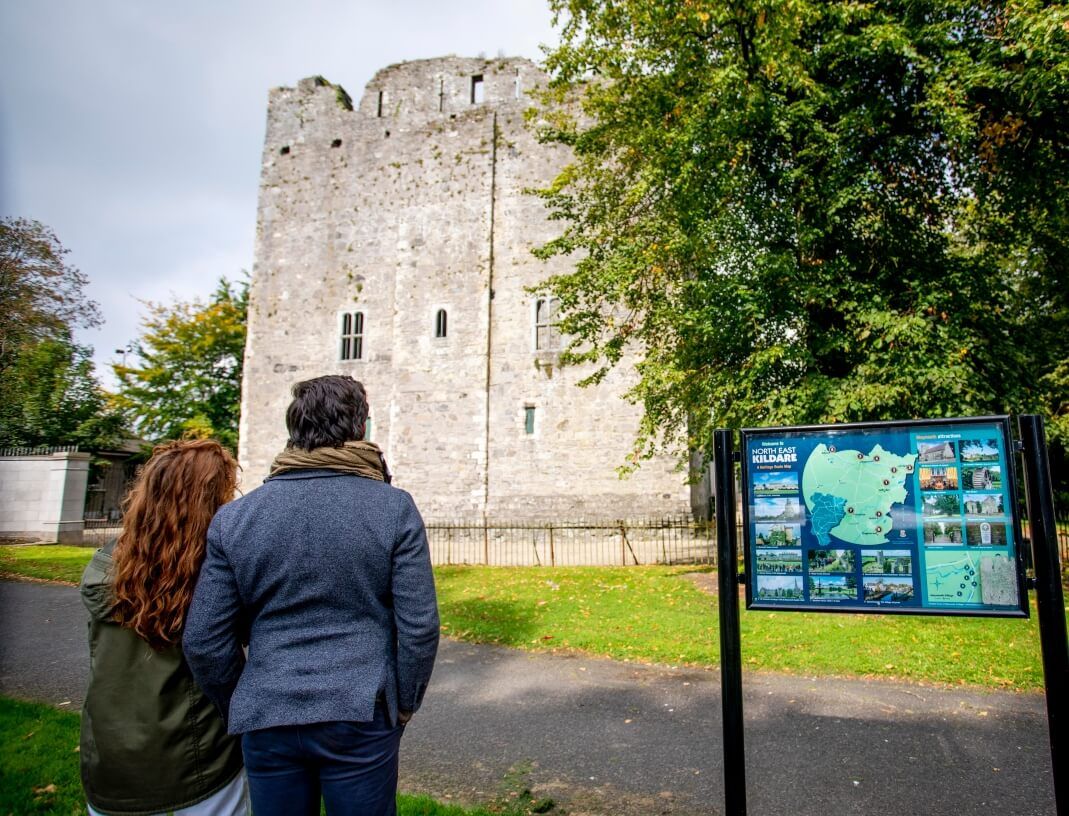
39,769
49,562
655,614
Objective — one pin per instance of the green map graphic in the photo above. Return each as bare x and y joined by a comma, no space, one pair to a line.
958,577
850,494
952,577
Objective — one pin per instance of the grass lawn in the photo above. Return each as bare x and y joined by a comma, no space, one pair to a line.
51,562
39,771
655,614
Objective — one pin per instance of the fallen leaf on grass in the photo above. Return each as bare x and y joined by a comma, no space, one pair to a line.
45,789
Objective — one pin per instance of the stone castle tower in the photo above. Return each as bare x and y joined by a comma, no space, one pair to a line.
394,244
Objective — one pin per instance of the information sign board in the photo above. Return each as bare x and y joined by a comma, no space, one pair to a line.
907,517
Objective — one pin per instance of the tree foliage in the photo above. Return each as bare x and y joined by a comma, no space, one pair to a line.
41,295
50,397
188,380
815,210
48,394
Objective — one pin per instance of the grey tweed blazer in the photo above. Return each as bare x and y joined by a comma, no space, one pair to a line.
327,577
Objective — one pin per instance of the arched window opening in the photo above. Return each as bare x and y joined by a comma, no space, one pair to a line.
547,335
352,336
440,323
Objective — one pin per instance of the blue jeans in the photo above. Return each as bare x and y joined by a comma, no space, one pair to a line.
353,765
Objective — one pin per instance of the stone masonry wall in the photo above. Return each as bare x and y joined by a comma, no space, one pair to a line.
410,203
42,497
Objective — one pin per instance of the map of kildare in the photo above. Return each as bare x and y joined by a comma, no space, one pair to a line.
850,494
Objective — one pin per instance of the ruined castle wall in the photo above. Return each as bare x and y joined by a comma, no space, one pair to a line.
568,466
411,203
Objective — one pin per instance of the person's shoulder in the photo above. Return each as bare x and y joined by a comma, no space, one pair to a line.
393,492
234,509
95,586
403,504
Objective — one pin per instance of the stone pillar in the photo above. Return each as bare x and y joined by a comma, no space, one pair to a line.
63,504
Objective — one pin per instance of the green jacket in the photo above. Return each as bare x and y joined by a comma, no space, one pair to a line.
151,741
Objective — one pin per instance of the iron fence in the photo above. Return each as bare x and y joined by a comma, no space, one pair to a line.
625,542
41,450
99,531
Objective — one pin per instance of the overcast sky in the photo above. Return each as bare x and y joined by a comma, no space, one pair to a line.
134,129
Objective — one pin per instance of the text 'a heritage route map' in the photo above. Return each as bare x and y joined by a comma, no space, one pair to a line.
886,517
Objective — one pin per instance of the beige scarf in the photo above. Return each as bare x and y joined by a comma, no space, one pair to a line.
362,458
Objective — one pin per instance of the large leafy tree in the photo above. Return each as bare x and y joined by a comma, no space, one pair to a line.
50,397
41,295
188,378
48,394
814,210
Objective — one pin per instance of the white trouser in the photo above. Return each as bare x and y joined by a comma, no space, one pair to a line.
233,800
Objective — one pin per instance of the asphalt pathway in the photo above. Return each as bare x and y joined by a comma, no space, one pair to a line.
603,737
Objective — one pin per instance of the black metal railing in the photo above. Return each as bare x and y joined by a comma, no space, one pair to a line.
623,542
41,450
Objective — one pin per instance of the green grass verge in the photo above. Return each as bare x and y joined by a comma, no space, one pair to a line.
38,760
50,562
39,771
654,614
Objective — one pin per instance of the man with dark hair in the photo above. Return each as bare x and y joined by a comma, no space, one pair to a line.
325,572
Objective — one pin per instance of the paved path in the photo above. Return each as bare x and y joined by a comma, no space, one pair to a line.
604,737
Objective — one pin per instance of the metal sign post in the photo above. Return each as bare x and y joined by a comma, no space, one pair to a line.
1049,599
730,645
909,517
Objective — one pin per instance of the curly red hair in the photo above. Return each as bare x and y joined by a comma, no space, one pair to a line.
164,535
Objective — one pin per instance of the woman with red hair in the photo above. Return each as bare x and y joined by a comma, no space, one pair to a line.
151,741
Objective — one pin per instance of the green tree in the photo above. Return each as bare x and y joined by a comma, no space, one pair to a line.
188,380
811,211
48,393
50,397
41,295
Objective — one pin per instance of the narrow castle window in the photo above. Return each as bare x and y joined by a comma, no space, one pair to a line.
285,151
547,335
519,83
352,336
477,93
440,323
441,95
378,111
528,419
336,143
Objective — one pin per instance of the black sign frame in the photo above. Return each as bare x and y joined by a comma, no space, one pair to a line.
1010,450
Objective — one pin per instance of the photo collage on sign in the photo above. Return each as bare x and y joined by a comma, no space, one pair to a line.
778,516
964,504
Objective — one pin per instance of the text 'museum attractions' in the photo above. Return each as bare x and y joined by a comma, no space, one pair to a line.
884,517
